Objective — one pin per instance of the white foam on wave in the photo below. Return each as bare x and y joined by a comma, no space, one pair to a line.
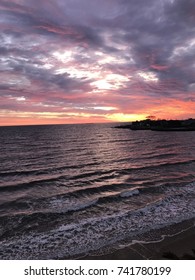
91,234
129,193
69,203
83,205
64,205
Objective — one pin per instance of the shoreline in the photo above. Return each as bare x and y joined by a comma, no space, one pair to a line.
171,242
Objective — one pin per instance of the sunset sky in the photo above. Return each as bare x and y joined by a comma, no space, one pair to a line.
80,61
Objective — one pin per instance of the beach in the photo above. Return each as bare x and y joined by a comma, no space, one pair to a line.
178,244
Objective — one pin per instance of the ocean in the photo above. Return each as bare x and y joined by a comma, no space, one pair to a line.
69,190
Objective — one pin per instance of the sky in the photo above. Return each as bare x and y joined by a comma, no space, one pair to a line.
86,61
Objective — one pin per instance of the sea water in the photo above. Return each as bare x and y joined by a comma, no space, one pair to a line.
67,190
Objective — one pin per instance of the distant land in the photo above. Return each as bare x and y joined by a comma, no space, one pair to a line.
161,125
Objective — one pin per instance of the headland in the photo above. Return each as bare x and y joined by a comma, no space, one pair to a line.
161,125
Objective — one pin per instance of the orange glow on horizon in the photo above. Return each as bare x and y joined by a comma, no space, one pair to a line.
168,110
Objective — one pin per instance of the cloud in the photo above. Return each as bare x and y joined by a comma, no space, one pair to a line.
80,55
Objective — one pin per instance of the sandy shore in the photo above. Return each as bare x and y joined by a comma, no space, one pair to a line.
172,242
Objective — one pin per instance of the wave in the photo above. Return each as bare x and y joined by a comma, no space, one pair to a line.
155,166
92,233
77,200
44,171
129,193
60,176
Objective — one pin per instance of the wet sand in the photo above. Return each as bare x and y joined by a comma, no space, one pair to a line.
176,242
